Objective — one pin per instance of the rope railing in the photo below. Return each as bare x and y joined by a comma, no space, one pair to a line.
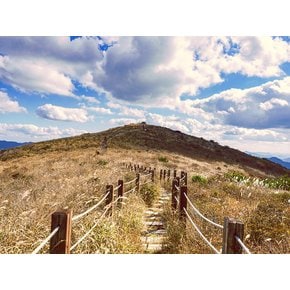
77,217
117,187
201,215
90,230
131,181
243,245
176,199
177,187
200,233
130,190
43,243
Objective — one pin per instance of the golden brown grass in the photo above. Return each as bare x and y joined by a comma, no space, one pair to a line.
32,187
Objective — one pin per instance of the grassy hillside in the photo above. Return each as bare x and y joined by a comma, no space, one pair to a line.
40,178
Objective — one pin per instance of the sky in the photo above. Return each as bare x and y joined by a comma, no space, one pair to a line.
234,90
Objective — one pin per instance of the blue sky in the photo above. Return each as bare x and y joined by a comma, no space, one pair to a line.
235,90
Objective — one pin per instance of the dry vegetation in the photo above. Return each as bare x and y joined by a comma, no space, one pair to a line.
38,179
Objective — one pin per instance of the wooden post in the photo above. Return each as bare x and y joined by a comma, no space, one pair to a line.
120,192
231,229
161,173
182,203
185,178
164,174
152,175
174,194
168,174
174,173
60,242
138,182
178,180
110,198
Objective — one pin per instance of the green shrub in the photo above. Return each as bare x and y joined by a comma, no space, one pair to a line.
235,176
163,159
102,162
149,193
278,183
199,179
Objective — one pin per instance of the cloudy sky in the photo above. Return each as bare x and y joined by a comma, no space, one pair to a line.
235,90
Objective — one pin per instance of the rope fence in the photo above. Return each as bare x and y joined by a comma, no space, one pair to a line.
201,234
201,215
243,245
46,240
77,217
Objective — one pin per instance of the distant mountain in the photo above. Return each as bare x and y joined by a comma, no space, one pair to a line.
286,159
281,162
11,144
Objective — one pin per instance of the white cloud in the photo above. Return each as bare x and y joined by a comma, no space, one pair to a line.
137,113
31,132
261,107
52,112
99,110
8,105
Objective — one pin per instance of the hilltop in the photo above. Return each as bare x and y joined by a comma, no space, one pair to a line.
144,137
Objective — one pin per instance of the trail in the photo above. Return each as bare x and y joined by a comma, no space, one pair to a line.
154,235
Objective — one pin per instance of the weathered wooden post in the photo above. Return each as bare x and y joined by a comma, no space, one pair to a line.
185,178
174,192
152,174
168,174
232,228
110,198
182,204
161,173
61,241
120,192
138,182
174,173
178,181
164,174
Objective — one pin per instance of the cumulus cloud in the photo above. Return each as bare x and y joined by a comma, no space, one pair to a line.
261,107
8,105
52,112
99,110
32,132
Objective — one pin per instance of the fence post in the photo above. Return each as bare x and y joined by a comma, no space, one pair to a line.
138,182
174,173
161,174
231,229
60,242
168,174
120,192
110,197
152,174
178,180
164,174
174,194
185,178
182,203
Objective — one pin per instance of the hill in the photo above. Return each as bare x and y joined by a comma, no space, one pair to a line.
10,144
147,138
281,162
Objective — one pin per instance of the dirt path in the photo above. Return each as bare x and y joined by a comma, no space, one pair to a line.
154,234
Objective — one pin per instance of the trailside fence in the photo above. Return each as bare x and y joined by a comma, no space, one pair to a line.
62,221
232,229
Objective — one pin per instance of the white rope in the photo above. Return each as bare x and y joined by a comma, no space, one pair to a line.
176,199
146,175
90,209
128,182
178,188
146,182
182,178
201,234
130,190
89,231
117,187
243,245
201,215
45,241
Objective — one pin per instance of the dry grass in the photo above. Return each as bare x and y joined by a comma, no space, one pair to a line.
265,213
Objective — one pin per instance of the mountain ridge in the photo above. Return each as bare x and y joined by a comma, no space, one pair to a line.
147,137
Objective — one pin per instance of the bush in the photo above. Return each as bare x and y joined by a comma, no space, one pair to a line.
199,179
102,162
149,193
235,176
163,159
